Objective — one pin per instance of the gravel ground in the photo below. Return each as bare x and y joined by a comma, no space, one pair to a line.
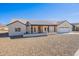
51,45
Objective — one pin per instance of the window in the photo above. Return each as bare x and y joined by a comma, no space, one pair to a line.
34,29
17,29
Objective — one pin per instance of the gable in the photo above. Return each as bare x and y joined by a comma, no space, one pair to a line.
15,22
15,25
65,24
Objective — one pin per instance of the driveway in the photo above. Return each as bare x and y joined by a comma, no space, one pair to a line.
74,32
77,53
68,33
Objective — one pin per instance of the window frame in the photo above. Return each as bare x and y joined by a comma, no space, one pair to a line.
17,29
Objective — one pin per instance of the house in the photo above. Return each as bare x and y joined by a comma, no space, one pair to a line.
24,27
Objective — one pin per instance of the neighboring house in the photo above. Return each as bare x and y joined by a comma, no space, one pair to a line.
3,28
75,26
22,27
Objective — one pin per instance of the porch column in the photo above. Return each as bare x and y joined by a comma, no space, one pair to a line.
28,29
45,28
34,29
55,28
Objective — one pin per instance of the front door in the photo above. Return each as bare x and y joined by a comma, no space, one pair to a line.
39,29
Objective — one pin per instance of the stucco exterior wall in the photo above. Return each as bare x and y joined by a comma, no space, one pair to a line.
16,25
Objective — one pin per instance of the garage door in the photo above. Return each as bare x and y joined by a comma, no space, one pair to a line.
64,30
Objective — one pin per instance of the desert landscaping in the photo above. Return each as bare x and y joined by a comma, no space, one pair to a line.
51,45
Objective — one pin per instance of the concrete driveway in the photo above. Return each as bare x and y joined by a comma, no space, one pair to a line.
77,53
73,32
69,33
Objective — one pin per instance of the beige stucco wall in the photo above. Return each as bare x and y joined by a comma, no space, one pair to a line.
65,24
16,25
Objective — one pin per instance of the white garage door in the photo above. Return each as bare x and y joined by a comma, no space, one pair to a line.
64,30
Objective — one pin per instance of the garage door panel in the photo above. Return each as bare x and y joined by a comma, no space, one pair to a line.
64,30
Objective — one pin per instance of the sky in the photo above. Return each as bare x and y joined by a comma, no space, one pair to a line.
39,11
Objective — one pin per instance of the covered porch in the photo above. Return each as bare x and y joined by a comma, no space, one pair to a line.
39,29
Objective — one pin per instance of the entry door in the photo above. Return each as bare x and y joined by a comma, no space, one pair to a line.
39,29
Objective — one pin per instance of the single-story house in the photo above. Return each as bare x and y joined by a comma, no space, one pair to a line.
22,27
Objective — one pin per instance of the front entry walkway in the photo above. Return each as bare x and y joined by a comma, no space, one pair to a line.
34,35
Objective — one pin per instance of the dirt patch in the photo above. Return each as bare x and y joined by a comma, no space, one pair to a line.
52,45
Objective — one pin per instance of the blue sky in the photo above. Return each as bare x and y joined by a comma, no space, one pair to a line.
39,11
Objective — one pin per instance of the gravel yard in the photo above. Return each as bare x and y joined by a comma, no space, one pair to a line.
51,45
